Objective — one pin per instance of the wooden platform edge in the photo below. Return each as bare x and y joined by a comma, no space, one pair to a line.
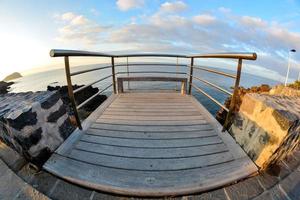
216,183
76,135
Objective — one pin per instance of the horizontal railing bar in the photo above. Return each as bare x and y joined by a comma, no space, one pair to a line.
154,64
210,97
62,53
214,71
83,87
246,56
89,99
89,70
154,72
213,85
151,55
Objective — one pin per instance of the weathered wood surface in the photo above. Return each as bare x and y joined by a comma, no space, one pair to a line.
151,144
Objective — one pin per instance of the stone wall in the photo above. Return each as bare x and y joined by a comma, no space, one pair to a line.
34,124
267,127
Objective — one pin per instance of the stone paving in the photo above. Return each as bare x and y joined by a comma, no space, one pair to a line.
280,182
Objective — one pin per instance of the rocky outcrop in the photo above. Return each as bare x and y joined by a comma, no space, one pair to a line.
221,114
267,127
34,124
285,91
12,76
4,87
80,97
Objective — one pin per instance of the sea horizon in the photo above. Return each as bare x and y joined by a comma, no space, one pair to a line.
41,80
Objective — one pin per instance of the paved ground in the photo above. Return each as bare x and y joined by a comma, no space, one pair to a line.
281,182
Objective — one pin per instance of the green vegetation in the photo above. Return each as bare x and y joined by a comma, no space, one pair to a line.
295,85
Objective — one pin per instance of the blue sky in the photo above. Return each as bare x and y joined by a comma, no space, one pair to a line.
29,29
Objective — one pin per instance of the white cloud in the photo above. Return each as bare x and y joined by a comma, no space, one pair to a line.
125,5
173,7
68,16
204,19
253,21
168,31
78,28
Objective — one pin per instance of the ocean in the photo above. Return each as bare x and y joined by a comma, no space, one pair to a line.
40,81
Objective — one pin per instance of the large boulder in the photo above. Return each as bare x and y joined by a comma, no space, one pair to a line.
267,127
34,124
5,86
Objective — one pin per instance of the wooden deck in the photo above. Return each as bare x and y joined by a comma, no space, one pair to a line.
151,144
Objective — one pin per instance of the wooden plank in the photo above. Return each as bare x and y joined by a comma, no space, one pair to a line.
154,107
151,153
151,135
144,164
141,183
137,99
134,148
151,118
152,103
132,113
152,128
139,95
150,110
142,143
75,136
153,122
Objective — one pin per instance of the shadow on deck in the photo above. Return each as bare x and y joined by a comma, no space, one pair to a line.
151,144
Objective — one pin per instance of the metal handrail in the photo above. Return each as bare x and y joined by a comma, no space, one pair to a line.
92,97
89,70
210,97
214,71
240,56
62,53
245,56
150,64
90,84
152,72
213,85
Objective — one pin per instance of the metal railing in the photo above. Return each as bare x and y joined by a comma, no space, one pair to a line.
190,73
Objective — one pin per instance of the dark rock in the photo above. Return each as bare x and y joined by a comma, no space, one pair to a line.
4,87
26,118
41,158
66,129
53,117
33,139
80,97
31,121
50,101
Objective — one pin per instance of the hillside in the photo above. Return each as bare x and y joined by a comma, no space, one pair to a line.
12,76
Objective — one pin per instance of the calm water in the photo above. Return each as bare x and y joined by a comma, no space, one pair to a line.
40,81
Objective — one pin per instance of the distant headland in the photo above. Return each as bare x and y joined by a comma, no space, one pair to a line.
12,76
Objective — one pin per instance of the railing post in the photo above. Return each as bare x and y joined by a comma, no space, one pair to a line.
233,97
127,67
113,74
70,91
191,75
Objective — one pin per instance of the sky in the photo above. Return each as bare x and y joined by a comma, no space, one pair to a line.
29,29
